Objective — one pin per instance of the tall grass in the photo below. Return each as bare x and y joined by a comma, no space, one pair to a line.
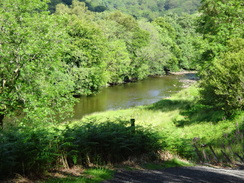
109,142
33,151
177,125
181,119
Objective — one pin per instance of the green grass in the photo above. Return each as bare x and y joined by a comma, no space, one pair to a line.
93,175
175,162
96,175
179,120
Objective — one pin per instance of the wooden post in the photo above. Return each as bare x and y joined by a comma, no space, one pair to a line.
195,140
205,156
239,157
226,156
132,124
215,157
198,153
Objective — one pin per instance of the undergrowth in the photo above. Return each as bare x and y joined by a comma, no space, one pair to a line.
91,175
34,151
179,125
184,124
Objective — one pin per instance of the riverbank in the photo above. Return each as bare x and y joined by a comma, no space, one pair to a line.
182,120
178,121
183,72
192,77
143,92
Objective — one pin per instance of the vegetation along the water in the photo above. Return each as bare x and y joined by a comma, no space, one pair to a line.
53,51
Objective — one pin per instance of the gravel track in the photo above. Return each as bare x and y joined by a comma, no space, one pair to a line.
194,174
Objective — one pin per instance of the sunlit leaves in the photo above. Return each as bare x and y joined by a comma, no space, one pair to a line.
156,54
118,62
32,73
221,21
223,82
222,78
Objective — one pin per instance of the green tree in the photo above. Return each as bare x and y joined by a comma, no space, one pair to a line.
221,21
223,82
118,62
168,40
180,7
135,39
86,49
76,8
189,41
118,59
52,5
32,75
156,54
149,9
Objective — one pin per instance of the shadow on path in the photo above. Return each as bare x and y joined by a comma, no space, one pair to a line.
180,174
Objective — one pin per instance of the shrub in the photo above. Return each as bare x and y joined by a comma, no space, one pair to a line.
223,82
27,151
110,142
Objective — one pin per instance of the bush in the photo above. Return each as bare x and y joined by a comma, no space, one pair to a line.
222,83
33,151
110,143
26,151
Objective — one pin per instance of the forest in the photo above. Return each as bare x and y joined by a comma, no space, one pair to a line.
149,9
51,51
77,52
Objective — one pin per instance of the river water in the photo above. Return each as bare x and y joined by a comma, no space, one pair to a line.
143,92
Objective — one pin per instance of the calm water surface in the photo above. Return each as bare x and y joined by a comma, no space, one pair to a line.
128,95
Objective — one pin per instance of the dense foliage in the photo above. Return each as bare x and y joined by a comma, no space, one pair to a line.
183,43
224,79
149,9
222,72
33,75
45,59
86,50
32,152
220,21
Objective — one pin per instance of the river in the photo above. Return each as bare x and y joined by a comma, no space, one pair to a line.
142,92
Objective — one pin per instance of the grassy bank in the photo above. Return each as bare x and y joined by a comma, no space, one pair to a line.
178,126
187,127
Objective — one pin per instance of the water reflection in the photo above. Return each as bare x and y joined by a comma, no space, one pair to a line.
142,92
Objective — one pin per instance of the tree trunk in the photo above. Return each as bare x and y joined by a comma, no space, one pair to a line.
1,120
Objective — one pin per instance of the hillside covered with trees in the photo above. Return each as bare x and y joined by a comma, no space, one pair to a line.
149,9
49,55
77,52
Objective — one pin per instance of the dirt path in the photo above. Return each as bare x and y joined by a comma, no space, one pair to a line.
180,174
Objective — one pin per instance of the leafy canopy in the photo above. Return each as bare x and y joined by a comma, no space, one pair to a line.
223,83
32,73
221,22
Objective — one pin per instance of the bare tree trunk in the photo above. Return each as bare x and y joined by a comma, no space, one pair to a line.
1,120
